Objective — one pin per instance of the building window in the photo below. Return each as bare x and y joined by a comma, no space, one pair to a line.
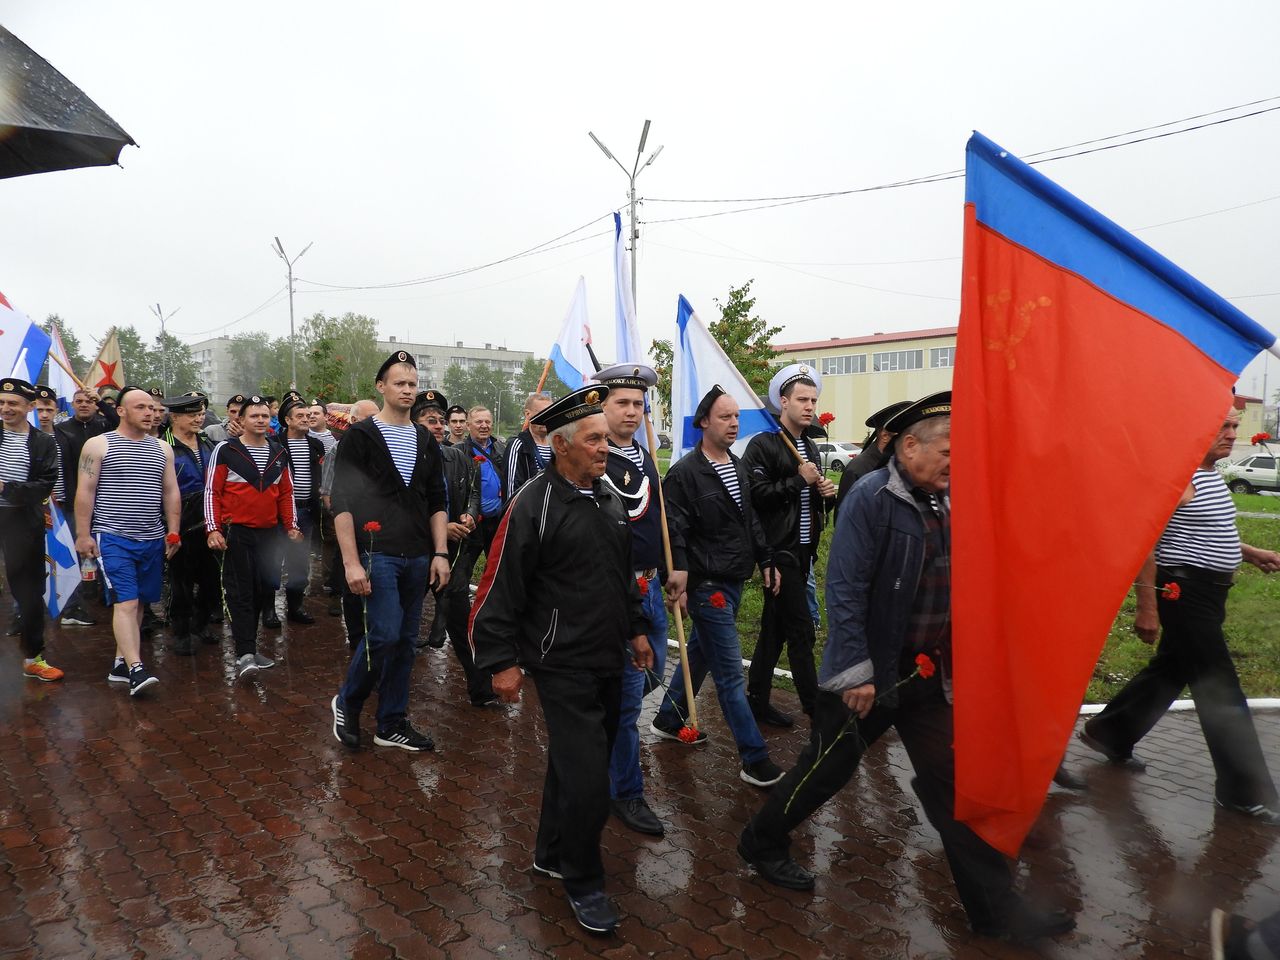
897,360
849,363
942,356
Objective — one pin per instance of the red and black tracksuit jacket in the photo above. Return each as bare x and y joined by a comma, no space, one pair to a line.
237,492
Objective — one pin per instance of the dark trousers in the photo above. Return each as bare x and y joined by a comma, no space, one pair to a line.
297,559
195,588
785,621
924,724
331,557
581,713
453,611
1193,652
22,540
250,577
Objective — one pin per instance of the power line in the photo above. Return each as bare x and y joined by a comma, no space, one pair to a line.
545,247
270,301
765,203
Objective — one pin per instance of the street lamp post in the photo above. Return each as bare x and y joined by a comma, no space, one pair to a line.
631,176
164,365
293,351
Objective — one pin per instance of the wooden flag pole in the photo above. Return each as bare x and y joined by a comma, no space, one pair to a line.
675,607
546,368
69,372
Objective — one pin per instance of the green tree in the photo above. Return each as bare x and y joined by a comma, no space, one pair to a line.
745,339
529,375
146,363
354,339
69,340
484,385
137,359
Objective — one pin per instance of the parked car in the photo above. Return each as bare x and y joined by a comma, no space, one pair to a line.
835,455
1251,474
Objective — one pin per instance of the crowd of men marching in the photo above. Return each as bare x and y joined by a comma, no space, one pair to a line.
416,490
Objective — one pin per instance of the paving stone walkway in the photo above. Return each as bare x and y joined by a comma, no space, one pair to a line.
216,819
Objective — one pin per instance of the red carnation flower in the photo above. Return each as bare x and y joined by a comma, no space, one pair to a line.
826,419
373,526
688,734
643,584
478,459
1171,591
717,600
1260,438
924,666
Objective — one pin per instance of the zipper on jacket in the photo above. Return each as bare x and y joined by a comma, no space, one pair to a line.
549,638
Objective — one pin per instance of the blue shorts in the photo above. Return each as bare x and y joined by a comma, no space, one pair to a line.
131,569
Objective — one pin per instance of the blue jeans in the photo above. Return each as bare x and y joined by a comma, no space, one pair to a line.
626,781
713,645
393,612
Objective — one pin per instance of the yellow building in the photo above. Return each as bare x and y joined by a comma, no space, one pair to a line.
862,374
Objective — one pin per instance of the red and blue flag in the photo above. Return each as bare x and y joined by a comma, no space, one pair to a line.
1092,374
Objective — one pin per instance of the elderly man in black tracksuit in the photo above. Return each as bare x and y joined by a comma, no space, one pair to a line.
559,599
453,603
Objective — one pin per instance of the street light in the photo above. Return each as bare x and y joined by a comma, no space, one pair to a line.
164,366
631,179
293,354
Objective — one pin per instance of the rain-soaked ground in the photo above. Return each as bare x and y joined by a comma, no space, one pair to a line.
221,819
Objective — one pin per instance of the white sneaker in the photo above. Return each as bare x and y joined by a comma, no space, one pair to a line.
246,666
264,663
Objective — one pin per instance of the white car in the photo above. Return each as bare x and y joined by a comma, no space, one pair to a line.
1252,474
837,454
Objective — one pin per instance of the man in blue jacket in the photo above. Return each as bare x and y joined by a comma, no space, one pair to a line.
195,584
888,605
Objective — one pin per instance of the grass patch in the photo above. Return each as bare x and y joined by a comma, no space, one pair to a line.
1256,503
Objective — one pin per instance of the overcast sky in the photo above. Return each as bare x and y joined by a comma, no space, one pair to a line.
408,140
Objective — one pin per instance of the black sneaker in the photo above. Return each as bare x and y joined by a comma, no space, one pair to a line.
271,619
595,912
406,738
139,680
1114,757
669,731
762,773
772,716
119,672
300,616
1267,816
347,731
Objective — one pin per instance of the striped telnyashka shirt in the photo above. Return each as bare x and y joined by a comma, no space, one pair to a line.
15,460
402,441
300,468
729,477
129,500
1203,533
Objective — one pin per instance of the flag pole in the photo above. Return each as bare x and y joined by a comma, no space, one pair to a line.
546,369
675,607
66,369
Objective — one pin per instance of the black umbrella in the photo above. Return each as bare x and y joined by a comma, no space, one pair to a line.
46,121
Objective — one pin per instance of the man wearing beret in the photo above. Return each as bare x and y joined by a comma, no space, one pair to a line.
28,471
453,603
304,455
195,587
559,599
791,498
229,427
390,511
887,664
530,451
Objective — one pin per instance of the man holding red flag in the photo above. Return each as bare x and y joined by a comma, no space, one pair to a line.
888,605
1194,564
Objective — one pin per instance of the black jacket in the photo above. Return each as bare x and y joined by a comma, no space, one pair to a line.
523,463
462,481
42,473
710,537
71,436
316,456
559,592
775,491
871,458
367,485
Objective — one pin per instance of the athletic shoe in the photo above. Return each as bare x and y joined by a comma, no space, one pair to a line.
119,672
37,669
78,619
263,663
595,912
404,737
347,732
139,680
1268,816
762,773
246,666
547,871
672,732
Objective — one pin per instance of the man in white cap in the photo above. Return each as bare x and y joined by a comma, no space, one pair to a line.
791,498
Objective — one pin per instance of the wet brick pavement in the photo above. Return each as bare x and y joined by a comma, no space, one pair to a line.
221,819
